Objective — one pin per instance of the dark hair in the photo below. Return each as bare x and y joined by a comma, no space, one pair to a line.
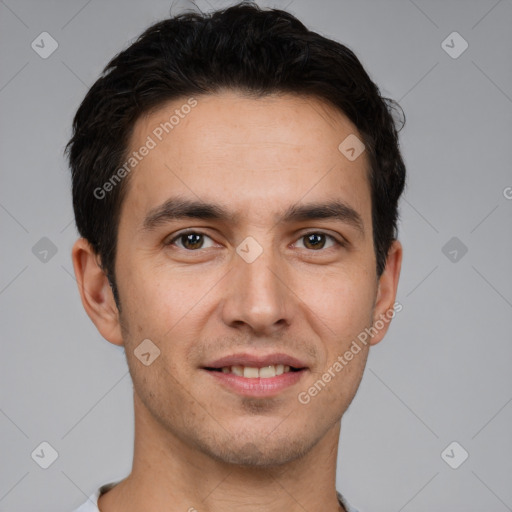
243,48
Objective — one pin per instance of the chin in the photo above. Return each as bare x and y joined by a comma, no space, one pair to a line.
260,451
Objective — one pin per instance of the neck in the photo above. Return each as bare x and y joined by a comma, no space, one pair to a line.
167,471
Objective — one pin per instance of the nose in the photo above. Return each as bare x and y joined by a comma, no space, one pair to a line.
258,297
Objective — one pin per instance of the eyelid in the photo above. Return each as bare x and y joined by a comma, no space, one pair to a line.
341,242
179,234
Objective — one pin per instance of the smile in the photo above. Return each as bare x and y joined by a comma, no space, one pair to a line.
265,382
251,372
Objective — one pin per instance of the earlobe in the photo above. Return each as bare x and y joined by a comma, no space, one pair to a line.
95,291
385,309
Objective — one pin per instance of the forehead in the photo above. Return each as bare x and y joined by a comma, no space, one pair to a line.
266,153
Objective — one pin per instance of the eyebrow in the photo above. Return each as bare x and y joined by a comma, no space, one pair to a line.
180,208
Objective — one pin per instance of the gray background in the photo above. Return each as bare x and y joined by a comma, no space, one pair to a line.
442,374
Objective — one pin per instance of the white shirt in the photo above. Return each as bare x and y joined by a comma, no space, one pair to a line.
91,505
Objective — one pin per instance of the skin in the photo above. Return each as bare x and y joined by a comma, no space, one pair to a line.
196,443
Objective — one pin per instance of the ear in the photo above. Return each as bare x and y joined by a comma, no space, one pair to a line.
386,292
95,291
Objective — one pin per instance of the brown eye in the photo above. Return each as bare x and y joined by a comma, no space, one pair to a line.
317,240
314,241
190,241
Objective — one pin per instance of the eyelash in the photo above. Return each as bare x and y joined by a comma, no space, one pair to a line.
192,232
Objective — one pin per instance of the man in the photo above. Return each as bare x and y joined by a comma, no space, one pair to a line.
235,185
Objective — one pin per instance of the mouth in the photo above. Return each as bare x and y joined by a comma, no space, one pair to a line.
256,376
253,372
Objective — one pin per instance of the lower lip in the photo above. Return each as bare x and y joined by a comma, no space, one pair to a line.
257,387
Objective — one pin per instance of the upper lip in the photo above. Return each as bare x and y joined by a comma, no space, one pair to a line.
256,361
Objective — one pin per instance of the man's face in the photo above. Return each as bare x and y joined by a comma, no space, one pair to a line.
199,300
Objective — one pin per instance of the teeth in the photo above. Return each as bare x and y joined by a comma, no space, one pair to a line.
238,370
267,371
250,372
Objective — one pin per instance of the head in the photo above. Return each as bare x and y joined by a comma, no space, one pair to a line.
217,135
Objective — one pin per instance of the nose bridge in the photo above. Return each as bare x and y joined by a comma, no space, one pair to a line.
257,294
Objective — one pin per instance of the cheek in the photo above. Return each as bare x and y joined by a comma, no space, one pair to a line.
343,301
155,295
168,309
